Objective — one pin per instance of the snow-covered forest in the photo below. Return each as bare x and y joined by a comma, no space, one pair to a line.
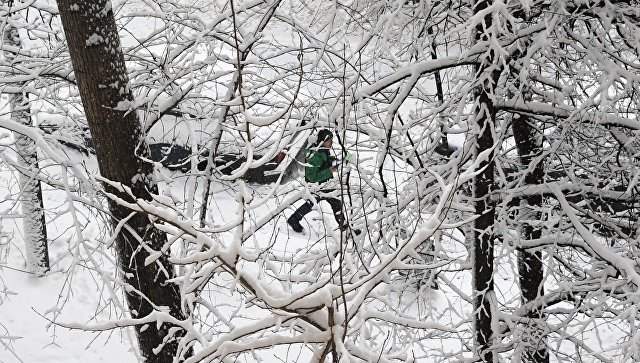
152,151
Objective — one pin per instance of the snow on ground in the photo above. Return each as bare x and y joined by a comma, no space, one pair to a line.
28,304
27,335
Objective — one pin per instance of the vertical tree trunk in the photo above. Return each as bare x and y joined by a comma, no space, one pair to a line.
486,74
34,226
530,267
100,71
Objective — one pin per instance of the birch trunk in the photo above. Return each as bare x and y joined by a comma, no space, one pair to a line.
33,220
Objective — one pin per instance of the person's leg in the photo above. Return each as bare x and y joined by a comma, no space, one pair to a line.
296,217
303,210
336,207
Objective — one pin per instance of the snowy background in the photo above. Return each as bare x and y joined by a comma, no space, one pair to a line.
70,314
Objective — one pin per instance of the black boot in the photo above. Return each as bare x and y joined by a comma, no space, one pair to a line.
340,219
343,225
295,224
355,231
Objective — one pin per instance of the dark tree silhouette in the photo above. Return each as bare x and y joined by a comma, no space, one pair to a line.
102,80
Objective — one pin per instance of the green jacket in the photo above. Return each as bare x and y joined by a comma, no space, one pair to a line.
318,170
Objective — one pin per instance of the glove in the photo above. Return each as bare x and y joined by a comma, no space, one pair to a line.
349,157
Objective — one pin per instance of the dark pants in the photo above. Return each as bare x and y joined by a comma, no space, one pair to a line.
336,207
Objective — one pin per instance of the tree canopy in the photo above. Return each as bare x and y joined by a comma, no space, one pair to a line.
489,155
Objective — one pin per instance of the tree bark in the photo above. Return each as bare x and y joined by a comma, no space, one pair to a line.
530,267
103,83
33,220
486,72
444,139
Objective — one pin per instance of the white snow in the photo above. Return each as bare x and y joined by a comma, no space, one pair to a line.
94,39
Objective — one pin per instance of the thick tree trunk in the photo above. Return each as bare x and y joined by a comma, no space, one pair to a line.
34,226
100,71
483,234
483,241
531,269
